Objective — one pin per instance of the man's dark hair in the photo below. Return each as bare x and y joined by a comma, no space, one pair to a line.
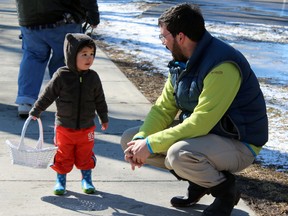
186,18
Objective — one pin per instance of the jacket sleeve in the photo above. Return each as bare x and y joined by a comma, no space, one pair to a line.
217,95
91,11
100,102
161,114
47,97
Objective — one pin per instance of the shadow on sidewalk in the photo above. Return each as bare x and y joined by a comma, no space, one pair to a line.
12,124
120,205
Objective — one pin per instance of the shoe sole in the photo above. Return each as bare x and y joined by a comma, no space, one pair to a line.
89,191
60,192
184,205
188,204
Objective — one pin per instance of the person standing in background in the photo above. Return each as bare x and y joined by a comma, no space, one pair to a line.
43,25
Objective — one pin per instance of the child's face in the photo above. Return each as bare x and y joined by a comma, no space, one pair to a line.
85,59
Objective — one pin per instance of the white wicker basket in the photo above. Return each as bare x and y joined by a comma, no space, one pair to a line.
25,155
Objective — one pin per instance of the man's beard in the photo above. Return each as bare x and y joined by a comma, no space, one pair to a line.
177,54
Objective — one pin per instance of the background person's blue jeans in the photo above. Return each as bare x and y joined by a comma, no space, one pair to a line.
38,46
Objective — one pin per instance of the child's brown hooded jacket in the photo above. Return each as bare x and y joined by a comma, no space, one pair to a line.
78,95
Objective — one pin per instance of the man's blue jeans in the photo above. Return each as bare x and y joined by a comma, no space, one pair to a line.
41,48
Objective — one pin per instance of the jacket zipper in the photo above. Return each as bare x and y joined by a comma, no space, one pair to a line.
79,101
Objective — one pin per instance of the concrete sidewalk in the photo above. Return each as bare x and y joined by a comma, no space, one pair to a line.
27,191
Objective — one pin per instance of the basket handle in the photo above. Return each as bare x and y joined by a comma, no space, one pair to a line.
40,140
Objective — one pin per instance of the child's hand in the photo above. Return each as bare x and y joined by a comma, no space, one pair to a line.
33,117
104,126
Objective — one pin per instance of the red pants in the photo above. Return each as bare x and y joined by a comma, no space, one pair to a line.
74,147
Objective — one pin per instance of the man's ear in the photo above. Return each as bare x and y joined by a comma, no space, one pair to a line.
181,37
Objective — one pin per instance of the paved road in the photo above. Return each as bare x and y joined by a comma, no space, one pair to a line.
273,12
